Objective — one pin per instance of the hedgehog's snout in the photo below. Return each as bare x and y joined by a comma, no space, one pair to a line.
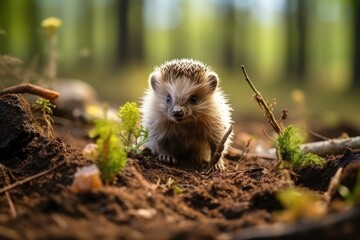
177,112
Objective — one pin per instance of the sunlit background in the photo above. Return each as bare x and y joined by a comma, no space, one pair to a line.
290,48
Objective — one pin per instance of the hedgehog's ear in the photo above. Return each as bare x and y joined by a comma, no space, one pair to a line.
213,81
153,81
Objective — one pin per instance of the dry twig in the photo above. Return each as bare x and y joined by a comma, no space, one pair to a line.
220,148
244,153
10,202
32,89
14,185
335,180
263,105
142,180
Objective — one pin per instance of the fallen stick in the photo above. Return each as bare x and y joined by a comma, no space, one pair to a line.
323,148
236,154
32,89
332,146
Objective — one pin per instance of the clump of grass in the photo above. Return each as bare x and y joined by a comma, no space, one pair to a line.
132,133
110,156
42,110
288,147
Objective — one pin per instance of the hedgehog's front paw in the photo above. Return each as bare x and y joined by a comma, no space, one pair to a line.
166,158
220,165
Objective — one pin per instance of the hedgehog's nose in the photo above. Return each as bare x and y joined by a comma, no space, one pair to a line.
177,112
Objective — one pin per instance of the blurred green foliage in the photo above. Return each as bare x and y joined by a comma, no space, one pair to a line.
114,45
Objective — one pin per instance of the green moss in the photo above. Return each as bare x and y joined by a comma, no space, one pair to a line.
288,146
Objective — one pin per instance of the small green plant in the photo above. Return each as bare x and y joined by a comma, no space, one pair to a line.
351,196
300,203
42,109
175,188
115,140
288,146
132,134
111,156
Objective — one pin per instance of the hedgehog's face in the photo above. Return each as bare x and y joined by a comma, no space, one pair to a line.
182,99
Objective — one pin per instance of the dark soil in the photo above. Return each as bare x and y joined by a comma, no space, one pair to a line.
141,204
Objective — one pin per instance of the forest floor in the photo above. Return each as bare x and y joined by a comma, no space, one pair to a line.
152,200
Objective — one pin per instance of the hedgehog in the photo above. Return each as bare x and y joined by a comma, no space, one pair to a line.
185,112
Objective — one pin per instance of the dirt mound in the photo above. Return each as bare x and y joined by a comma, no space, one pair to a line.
148,199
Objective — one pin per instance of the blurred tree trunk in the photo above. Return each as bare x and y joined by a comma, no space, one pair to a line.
179,36
136,37
131,24
123,30
356,58
296,52
18,21
229,35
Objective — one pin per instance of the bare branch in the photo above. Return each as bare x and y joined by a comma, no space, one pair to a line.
32,89
262,103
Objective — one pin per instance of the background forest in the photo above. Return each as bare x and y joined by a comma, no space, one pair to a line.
304,53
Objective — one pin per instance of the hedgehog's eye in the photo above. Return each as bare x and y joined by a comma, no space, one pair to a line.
168,99
193,99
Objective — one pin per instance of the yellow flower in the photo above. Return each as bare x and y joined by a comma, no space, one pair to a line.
51,24
298,96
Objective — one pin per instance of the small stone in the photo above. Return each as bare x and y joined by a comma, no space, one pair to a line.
86,179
